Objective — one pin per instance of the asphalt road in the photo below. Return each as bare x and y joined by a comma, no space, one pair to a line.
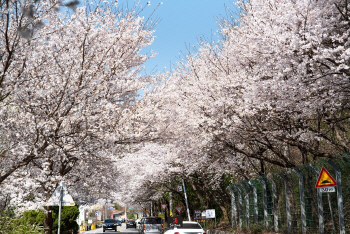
121,229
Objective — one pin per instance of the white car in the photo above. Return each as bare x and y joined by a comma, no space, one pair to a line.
187,228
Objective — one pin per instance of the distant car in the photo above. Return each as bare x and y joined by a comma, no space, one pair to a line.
187,228
119,223
130,223
110,224
151,225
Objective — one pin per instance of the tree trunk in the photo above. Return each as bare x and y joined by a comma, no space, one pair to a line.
48,222
201,199
222,207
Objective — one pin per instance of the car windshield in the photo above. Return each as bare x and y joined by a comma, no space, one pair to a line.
109,221
190,226
153,221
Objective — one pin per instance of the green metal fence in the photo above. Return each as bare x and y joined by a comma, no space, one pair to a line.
288,202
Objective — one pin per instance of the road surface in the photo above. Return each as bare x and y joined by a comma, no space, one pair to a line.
121,229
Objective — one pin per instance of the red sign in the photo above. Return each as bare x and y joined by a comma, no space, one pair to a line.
164,206
179,208
175,221
325,179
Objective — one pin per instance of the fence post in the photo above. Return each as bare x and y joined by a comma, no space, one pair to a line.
302,199
286,188
275,216
246,190
339,196
233,208
255,201
319,203
239,207
263,184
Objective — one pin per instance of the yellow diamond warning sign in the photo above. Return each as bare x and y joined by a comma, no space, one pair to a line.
325,179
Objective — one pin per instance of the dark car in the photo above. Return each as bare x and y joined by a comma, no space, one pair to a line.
110,224
119,223
130,223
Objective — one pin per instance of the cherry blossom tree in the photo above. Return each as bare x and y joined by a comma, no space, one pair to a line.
272,93
66,91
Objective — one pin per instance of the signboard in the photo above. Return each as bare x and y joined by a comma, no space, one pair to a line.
325,179
98,215
81,214
110,208
327,189
178,209
161,215
164,206
179,188
197,214
67,199
175,221
210,213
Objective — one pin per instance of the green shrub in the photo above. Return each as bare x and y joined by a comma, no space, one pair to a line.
17,225
69,215
256,228
34,217
131,216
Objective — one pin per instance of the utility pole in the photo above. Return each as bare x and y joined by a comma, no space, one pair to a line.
106,209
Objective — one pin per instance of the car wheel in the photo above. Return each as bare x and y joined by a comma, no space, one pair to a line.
104,230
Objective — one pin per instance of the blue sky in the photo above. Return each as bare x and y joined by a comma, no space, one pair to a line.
182,23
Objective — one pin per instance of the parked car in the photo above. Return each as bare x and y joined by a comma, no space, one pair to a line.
119,223
110,224
151,225
130,223
187,228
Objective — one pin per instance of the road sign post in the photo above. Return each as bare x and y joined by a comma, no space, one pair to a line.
210,214
60,197
325,179
339,196
59,211
164,206
178,209
170,204
188,210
